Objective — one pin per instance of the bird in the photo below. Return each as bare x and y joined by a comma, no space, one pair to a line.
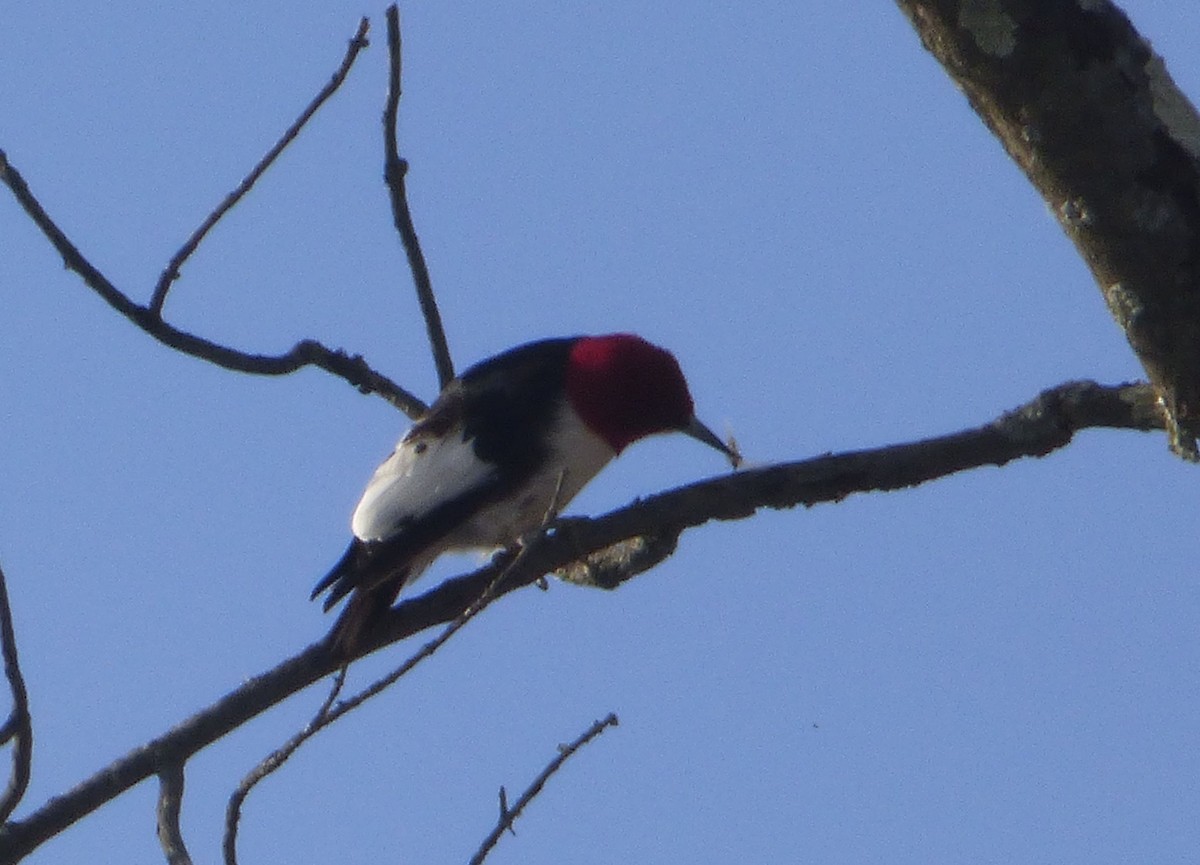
505,446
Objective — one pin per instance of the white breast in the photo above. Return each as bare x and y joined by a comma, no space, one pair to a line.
578,455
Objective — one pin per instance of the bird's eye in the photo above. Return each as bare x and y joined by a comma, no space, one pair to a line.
421,447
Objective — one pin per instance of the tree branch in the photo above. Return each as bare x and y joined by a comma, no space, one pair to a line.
508,816
233,811
170,803
149,319
171,272
1090,114
329,712
18,728
1041,426
630,540
395,170
307,352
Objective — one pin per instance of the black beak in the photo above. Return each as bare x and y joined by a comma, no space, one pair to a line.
702,433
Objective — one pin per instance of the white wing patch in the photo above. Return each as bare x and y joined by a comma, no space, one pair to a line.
416,478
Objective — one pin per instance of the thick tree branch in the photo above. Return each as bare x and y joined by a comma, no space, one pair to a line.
18,728
509,815
171,272
395,171
1035,429
1088,111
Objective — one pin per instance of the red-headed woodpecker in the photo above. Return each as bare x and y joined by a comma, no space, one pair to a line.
507,442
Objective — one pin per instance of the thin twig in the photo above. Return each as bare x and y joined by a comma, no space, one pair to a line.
352,368
417,657
1037,428
171,272
18,728
170,803
395,170
508,816
233,811
329,713
477,606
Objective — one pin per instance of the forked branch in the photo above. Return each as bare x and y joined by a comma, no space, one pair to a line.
148,317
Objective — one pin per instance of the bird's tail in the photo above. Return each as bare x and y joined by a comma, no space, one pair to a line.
362,614
342,577
372,586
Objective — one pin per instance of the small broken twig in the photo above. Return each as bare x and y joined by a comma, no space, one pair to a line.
508,816
18,728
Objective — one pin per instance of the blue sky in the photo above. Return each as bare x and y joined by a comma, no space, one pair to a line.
997,667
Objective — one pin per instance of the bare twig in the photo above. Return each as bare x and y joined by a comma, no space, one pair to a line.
417,657
504,808
477,606
329,713
352,368
170,802
508,816
18,728
1039,427
269,764
171,272
148,318
395,170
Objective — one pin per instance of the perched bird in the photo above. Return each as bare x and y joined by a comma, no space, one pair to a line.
507,443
